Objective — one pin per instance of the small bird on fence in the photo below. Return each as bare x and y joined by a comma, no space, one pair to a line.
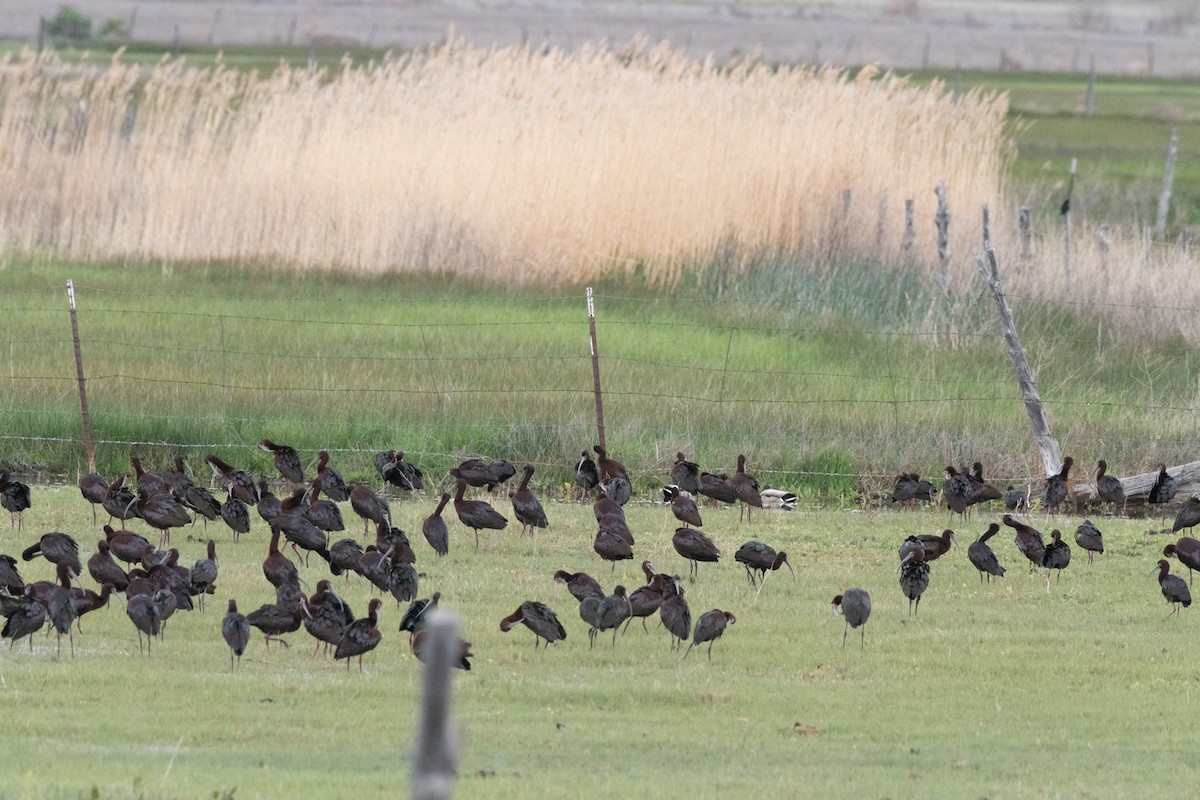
855,606
1108,488
1088,537
981,555
1058,487
14,497
709,628
1173,588
540,619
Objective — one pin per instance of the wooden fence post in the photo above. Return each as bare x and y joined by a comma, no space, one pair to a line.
910,234
1164,198
434,768
942,220
881,223
1089,94
990,270
1066,215
89,441
1025,224
591,310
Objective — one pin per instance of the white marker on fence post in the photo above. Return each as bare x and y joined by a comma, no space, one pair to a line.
89,441
591,309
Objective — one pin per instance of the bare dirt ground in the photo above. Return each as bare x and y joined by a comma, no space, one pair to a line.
1124,37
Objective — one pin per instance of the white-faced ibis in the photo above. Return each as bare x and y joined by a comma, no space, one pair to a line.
855,606
981,555
579,584
1188,515
126,545
236,515
361,636
414,615
87,601
694,545
604,507
611,612
328,616
1016,499
269,506
540,619
94,489
462,651
287,461
346,555
936,546
1057,556
10,578
301,533
104,569
981,491
163,512
956,488
200,500
147,482
909,488
276,566
368,505
476,514
236,632
1164,489
25,617
400,473
165,604
526,507
645,600
280,617
614,478
402,581
482,474
717,488
612,547
1108,488
914,579
683,505
674,612
686,475
118,502
1089,537
1028,540
587,476
389,538
330,480
202,577
14,497
238,482
909,545
615,524
61,610
709,628
375,566
1187,550
746,488
57,548
434,528
323,513
1173,588
758,557
1058,487
143,613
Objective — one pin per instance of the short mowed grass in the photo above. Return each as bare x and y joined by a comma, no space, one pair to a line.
1001,690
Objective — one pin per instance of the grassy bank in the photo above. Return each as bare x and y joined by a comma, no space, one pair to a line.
1002,690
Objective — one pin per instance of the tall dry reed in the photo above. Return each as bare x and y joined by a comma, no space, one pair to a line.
515,164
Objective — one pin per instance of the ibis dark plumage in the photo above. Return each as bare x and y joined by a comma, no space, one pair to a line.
540,619
1089,537
855,606
1028,540
981,555
759,558
694,545
236,632
1173,587
709,628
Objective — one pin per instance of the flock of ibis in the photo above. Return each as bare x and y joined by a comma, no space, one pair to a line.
303,520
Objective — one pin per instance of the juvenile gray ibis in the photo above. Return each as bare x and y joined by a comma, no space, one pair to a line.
476,514
686,475
618,489
434,528
1163,490
746,488
709,628
1187,550
360,636
14,497
402,581
237,481
1108,488
579,584
287,461
202,577
758,557
914,579
612,611
1058,487
1089,537
526,507
683,505
694,545
236,632
1173,588
1028,540
1057,556
981,555
855,606
540,619
330,480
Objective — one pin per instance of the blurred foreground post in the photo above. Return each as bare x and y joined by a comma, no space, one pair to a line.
1164,197
434,769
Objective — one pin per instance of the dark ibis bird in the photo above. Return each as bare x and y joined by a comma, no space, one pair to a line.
935,546
61,610
526,507
368,505
674,612
14,497
402,580
1108,488
236,515
1057,556
956,488
981,491
104,569
476,514
58,549
376,566
1089,537
201,500
981,555
462,654
909,488
27,617
694,545
614,478
269,506
909,545
434,528
855,606
1058,488
360,636
604,507
282,616
202,576
709,628
144,615
94,489
10,578
414,615
1164,489
87,601
287,461
485,475
615,524
1016,499
328,616
758,557
686,475
147,482
540,619
325,514
683,505
300,532
162,511
579,584
238,482
746,488
645,600
1028,540
717,487
330,480
346,555
612,547
914,579
399,473
236,632
277,568
611,612
391,539
1173,587
1187,550
587,476
1188,515
128,546
118,502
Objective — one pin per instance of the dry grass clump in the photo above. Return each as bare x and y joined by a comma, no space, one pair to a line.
517,164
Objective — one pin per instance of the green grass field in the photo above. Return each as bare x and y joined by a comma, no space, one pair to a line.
1000,691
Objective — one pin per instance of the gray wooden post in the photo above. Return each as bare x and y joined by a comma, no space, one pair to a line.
1164,198
1089,94
1066,215
881,223
89,441
942,220
1025,223
910,233
591,310
990,270
434,767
